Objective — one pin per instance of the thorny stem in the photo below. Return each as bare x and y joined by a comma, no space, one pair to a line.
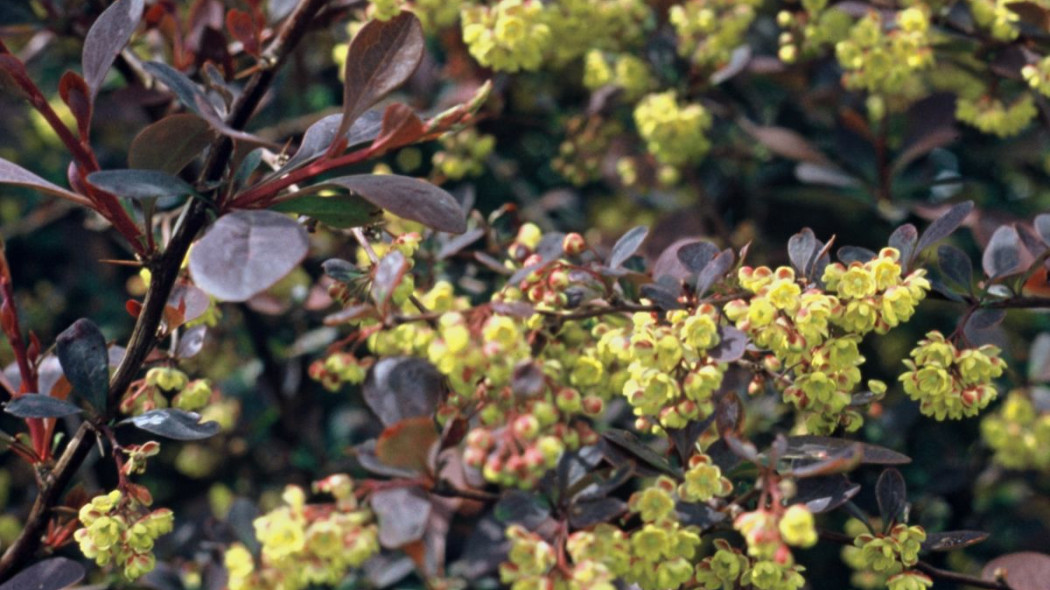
165,272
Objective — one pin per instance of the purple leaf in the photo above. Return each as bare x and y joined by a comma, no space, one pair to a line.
82,352
955,265
802,247
407,197
380,58
626,246
1042,225
731,345
892,497
943,226
170,143
1026,570
174,424
715,269
51,574
402,514
402,387
1002,255
245,253
952,540
106,38
35,405
388,274
904,239
11,173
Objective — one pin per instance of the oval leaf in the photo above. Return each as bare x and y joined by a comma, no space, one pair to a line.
406,445
11,173
388,274
786,143
381,57
174,424
82,353
1026,570
404,387
245,253
944,225
1002,255
715,270
410,198
106,38
341,211
321,134
825,493
731,345
1042,226
140,184
695,255
802,248
402,514
819,447
952,540
848,254
35,405
904,239
892,496
626,246
51,574
170,143
955,265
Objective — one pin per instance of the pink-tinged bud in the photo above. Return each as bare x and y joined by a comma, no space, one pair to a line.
593,405
534,458
568,400
532,260
474,457
573,244
558,279
526,427
756,386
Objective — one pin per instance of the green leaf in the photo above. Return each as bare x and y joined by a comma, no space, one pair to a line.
341,211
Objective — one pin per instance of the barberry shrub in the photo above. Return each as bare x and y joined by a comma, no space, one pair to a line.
374,381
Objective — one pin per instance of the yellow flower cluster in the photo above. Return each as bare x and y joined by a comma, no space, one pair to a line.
579,26
1038,76
531,560
997,17
885,62
463,153
709,30
623,70
121,531
587,141
951,383
992,115
674,134
510,36
306,544
161,382
671,379
1019,433
338,369
816,332
890,553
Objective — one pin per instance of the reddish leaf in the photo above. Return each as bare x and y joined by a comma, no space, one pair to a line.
77,96
785,142
11,173
242,28
821,447
400,127
380,58
1026,570
245,253
106,38
952,540
406,445
170,143
406,197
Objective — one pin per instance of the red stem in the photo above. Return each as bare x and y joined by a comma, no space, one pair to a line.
37,426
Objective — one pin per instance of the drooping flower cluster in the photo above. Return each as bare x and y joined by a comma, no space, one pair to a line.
510,36
674,133
815,331
890,553
671,378
1019,433
162,383
948,382
885,61
305,544
709,30
121,530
